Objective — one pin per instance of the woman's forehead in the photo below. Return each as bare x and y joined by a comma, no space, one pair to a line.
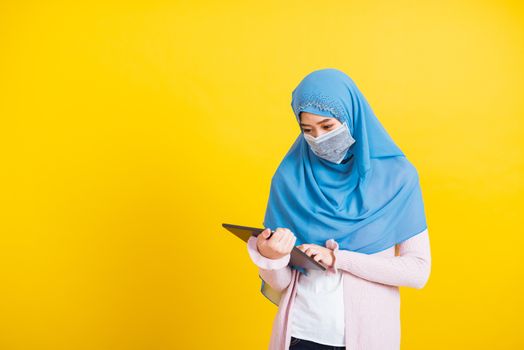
315,118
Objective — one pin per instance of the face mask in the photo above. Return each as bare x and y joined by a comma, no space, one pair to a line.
333,145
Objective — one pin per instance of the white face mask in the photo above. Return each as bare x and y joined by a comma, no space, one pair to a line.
333,145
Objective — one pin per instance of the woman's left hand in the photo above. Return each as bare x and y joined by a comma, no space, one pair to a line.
319,253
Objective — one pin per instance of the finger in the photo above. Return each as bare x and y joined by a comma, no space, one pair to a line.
310,251
284,233
287,234
286,241
287,245
283,243
322,261
279,235
291,243
305,247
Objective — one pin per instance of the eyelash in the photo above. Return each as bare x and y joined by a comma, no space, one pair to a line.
325,127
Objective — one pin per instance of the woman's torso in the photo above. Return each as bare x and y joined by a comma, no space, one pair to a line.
318,313
372,313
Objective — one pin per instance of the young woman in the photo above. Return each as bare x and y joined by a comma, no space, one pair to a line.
346,195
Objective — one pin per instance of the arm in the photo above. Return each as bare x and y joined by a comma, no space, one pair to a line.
275,272
410,269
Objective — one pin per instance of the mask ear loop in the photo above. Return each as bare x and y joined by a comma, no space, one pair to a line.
350,136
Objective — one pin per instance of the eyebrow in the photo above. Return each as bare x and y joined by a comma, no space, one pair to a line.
320,122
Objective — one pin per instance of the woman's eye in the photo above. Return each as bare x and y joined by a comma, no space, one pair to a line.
306,130
327,126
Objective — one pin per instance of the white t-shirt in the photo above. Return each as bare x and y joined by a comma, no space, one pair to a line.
318,313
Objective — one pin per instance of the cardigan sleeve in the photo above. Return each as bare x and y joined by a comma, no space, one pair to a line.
410,269
275,272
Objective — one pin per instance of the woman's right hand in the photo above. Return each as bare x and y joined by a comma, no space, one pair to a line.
279,245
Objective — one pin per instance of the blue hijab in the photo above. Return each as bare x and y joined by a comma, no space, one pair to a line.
369,202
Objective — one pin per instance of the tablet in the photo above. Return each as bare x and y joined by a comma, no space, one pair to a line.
298,257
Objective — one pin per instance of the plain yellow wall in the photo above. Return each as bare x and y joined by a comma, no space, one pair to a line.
131,130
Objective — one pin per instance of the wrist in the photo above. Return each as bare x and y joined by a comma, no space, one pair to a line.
262,261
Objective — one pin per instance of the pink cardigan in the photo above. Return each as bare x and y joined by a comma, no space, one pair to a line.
371,293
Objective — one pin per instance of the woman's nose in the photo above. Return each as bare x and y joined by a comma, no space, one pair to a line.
316,133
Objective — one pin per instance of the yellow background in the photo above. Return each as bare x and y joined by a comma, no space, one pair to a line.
131,130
